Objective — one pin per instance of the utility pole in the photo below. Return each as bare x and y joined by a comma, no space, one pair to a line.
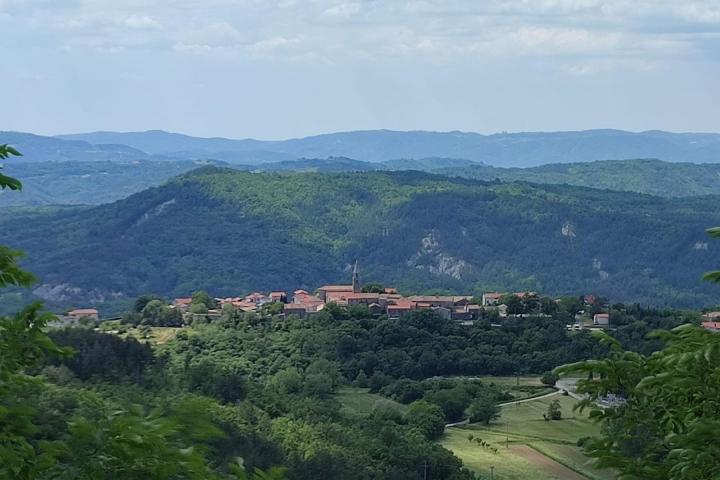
425,467
507,433
492,472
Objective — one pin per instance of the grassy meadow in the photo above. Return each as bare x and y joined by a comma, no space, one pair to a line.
528,447
358,402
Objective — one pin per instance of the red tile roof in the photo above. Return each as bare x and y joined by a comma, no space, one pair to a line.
80,312
336,288
364,296
401,305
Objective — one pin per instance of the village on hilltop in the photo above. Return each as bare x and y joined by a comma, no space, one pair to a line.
379,301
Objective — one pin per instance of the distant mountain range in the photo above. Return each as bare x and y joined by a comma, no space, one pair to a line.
502,149
230,232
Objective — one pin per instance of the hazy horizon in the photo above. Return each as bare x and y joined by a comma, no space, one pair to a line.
160,130
289,69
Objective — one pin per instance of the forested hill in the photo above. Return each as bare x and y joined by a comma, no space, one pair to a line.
650,176
229,232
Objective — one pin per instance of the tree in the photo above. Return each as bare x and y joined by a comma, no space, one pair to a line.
426,418
514,304
143,300
201,297
23,343
152,311
361,380
452,402
549,378
483,409
273,308
198,309
571,305
373,288
135,445
554,411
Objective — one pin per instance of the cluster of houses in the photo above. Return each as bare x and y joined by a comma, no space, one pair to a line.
461,308
380,301
711,321
389,302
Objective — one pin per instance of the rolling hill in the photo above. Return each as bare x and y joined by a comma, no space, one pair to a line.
103,181
230,231
653,177
87,182
502,149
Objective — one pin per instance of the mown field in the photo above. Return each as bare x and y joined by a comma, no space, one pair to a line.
520,387
527,446
358,402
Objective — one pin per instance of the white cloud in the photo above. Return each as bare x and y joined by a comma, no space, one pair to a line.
141,22
418,31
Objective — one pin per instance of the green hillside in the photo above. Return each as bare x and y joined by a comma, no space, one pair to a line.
229,232
654,177
87,182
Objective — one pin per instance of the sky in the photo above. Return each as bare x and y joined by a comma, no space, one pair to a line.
289,68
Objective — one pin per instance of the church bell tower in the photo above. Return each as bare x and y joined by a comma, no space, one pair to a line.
356,279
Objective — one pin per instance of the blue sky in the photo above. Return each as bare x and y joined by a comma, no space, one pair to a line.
276,69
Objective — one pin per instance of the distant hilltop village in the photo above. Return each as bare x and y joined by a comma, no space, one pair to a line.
592,312
387,301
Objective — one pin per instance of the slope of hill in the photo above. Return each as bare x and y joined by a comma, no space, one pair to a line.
654,177
230,232
502,149
91,183
103,181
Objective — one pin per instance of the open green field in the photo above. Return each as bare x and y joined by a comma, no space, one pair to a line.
528,447
358,402
152,335
526,419
520,387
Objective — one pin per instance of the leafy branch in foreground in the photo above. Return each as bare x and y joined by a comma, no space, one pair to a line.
713,276
8,182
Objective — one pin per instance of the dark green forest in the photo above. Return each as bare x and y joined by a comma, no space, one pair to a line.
230,232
